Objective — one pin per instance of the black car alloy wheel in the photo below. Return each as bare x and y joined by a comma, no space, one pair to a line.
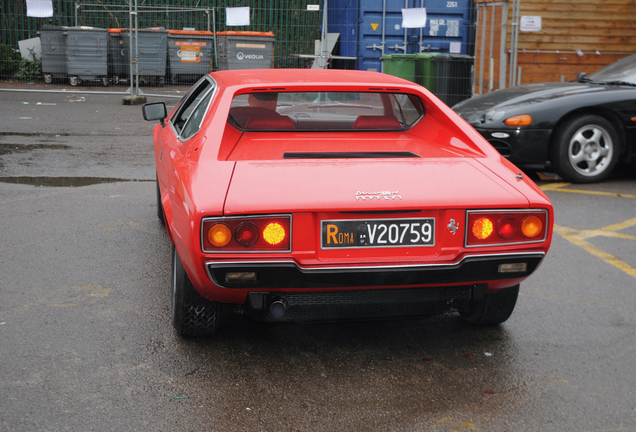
585,149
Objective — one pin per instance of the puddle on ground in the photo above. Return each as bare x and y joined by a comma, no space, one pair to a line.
32,134
7,148
65,181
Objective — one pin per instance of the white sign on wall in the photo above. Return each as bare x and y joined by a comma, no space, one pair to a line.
530,23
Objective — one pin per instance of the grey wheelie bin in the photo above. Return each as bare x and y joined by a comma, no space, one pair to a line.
190,54
152,59
53,43
117,67
244,50
87,54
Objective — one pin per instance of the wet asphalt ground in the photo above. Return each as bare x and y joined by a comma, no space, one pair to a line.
86,342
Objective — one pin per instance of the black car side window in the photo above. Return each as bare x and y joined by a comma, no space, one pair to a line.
201,93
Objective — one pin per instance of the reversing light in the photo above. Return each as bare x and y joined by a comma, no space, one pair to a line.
219,235
246,233
238,277
519,120
506,227
531,226
482,228
513,268
274,233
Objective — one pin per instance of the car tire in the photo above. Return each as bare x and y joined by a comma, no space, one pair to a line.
192,315
585,149
160,214
494,308
74,81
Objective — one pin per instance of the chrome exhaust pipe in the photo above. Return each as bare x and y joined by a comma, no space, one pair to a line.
278,308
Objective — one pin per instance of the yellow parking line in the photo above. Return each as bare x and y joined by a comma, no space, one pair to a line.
578,237
620,225
560,187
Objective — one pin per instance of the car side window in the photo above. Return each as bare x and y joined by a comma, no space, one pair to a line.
187,120
193,123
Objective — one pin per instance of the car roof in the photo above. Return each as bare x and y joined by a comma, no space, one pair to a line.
272,78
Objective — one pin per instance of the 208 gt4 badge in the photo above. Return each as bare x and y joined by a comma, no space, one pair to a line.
452,226
377,195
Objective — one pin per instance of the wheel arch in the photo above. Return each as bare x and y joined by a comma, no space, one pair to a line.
167,215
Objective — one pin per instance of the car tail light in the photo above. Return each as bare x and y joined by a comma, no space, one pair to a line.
219,235
246,234
501,227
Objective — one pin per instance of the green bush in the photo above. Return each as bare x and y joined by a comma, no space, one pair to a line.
28,70
9,61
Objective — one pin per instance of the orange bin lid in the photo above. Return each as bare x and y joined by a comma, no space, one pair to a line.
192,32
119,30
245,33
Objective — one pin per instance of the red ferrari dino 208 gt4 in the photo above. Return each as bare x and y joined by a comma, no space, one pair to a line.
310,195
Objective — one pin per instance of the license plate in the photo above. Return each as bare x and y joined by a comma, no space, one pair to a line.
378,233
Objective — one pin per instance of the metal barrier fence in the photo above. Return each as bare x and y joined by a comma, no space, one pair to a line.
465,48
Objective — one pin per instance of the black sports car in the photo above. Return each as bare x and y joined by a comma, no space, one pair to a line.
580,130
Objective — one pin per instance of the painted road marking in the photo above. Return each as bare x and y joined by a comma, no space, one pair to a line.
560,187
579,237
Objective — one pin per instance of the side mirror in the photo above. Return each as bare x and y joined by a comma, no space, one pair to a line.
155,111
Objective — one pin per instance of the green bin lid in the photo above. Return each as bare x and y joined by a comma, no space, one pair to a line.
426,55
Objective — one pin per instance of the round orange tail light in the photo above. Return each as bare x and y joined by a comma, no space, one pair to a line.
274,233
219,234
482,228
531,226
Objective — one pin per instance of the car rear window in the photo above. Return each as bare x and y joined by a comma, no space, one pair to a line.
325,111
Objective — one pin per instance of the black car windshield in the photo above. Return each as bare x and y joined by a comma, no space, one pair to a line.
621,71
325,111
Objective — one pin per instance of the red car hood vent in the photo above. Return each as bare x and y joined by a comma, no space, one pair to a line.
350,155
287,186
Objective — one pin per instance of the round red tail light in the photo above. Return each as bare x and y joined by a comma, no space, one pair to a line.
274,233
507,227
246,233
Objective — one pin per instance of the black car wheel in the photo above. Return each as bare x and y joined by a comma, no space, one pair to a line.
585,149
160,214
192,315
495,308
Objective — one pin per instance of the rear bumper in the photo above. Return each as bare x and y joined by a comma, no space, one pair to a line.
285,275
351,305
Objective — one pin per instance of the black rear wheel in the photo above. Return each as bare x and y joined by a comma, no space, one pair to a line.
494,308
160,214
192,315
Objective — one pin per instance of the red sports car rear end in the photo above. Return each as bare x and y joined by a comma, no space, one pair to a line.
311,195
